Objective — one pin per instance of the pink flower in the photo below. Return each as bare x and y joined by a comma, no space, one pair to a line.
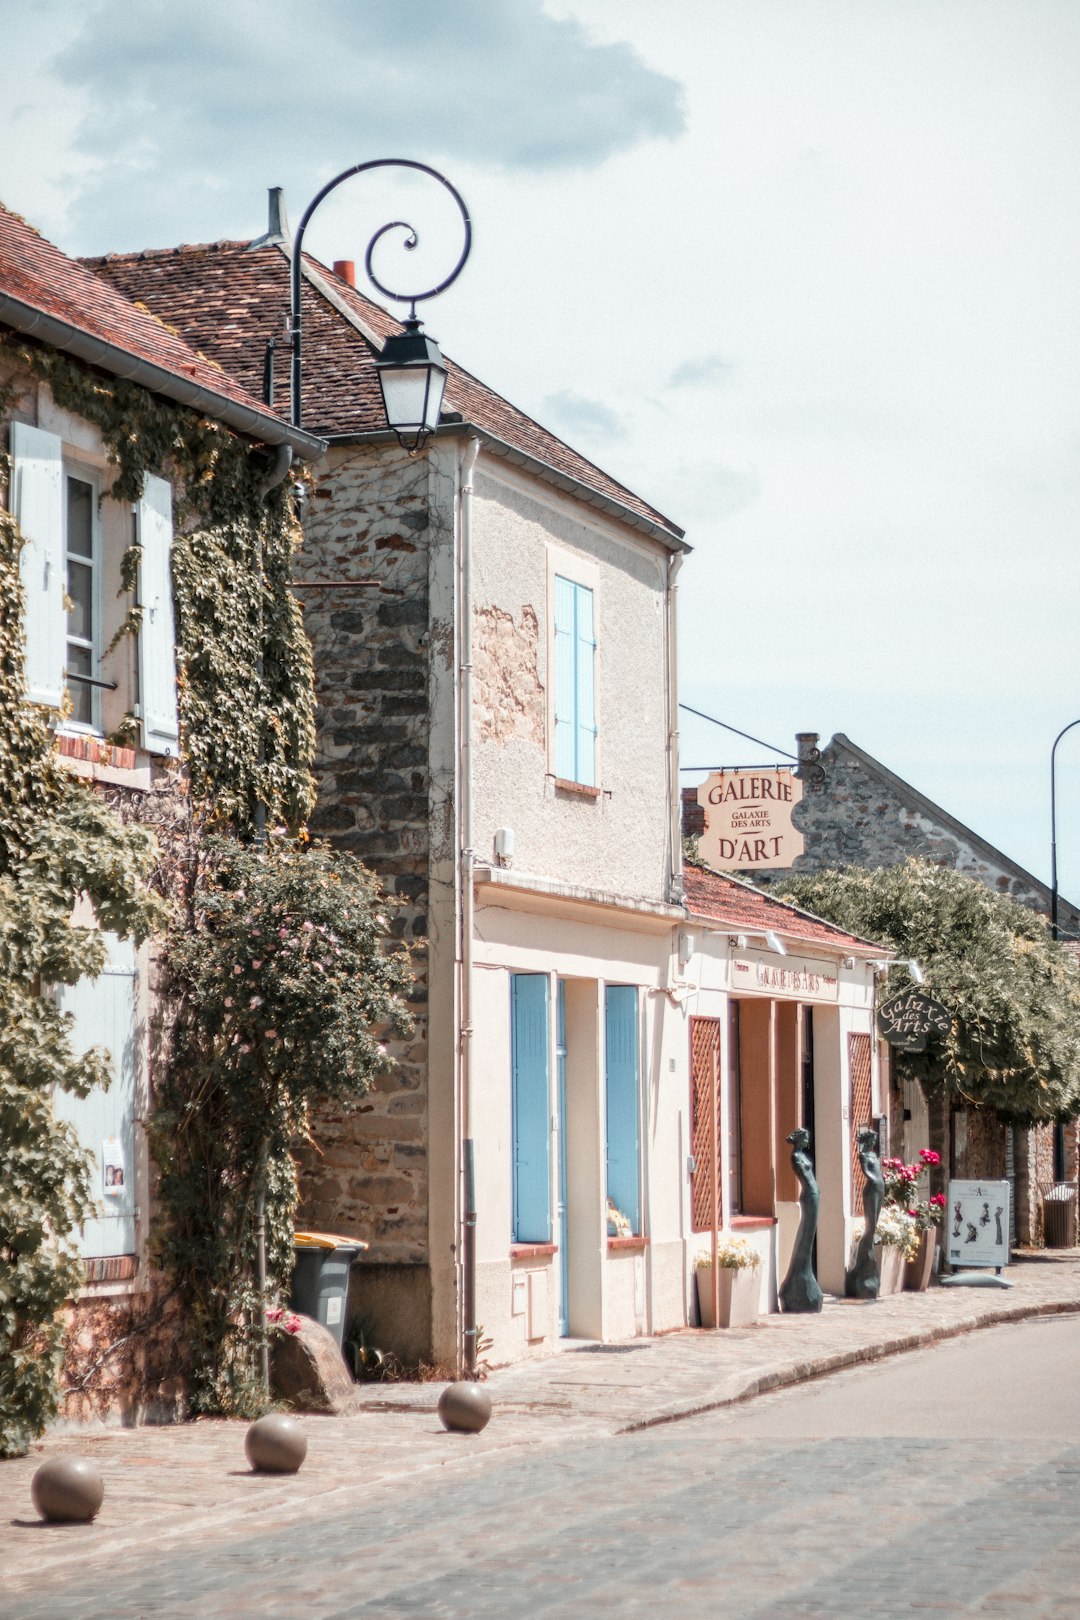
275,1313
292,1325
928,1156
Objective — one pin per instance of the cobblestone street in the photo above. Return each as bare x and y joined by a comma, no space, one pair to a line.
583,1491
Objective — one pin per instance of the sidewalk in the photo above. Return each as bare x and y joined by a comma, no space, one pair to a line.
169,1486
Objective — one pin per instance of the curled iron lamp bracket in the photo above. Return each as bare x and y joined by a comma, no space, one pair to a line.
411,240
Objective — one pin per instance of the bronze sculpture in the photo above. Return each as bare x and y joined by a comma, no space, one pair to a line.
800,1290
863,1280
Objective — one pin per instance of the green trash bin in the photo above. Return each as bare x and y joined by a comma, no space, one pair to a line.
320,1283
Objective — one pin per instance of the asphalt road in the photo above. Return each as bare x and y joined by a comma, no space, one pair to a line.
946,1482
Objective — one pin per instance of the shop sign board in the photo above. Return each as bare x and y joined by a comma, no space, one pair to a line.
912,1018
748,825
977,1233
787,978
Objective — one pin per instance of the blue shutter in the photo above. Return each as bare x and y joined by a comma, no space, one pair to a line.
531,1107
565,683
621,1088
585,663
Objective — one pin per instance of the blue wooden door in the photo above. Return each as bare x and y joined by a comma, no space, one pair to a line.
103,1010
621,1095
531,1107
563,1216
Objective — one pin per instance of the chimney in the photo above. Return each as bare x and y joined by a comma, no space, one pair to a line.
809,769
345,270
277,222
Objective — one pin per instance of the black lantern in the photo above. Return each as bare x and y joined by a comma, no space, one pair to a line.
412,377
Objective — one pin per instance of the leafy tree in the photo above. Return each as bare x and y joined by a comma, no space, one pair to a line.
1014,994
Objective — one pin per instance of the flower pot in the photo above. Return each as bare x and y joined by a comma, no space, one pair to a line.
890,1264
738,1296
918,1272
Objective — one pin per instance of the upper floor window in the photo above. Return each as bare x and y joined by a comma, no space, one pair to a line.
575,682
83,580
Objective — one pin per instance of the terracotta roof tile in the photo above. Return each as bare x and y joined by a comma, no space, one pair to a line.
36,273
229,299
718,898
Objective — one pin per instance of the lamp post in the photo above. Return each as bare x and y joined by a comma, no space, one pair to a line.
1053,830
411,370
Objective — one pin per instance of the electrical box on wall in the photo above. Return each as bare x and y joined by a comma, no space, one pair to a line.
517,1296
536,1322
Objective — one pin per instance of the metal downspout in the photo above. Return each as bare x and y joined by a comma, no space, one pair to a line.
674,801
468,862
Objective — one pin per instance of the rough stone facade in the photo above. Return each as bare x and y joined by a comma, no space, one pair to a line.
369,519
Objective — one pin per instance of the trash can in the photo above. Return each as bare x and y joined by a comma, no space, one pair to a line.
320,1283
1059,1215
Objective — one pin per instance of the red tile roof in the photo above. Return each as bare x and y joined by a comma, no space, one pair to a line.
229,298
38,276
718,898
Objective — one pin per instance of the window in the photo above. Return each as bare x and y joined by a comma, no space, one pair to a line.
531,1107
575,682
82,554
621,1093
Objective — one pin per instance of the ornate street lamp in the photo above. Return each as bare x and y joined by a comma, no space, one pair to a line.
412,374
1053,831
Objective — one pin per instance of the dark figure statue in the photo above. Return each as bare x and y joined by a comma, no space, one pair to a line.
863,1280
801,1290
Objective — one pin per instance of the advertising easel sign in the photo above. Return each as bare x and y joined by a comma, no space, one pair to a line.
748,824
977,1233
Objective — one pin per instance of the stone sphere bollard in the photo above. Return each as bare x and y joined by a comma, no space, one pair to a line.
464,1408
276,1444
67,1490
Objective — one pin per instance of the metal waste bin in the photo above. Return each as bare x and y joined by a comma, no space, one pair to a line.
1059,1215
320,1282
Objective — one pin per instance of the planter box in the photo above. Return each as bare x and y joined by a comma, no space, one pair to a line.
890,1264
918,1272
739,1289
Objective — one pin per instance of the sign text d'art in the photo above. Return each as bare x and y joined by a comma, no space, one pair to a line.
748,819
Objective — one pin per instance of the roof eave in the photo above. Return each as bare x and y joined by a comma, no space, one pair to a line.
671,538
70,339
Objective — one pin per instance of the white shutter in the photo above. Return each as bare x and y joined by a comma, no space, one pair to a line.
104,1013
39,512
157,636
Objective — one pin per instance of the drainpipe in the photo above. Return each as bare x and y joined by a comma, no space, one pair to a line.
674,801
468,907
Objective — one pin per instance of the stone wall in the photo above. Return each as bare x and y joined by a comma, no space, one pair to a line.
369,518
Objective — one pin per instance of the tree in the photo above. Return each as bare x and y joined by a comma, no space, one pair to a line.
1014,994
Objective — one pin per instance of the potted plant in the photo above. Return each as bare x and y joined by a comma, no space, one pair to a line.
737,1262
896,1241
902,1189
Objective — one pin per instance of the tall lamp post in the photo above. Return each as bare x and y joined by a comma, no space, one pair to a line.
1053,830
411,370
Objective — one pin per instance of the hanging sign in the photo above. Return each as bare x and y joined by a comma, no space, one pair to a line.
912,1018
977,1233
748,824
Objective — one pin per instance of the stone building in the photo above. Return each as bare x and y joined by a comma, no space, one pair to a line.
859,813
493,625
93,681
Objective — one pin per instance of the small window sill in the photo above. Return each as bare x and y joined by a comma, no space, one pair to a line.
627,1245
111,1268
582,789
533,1251
98,761
751,1223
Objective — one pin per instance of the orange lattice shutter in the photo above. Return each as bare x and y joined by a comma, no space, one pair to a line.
704,1093
862,1108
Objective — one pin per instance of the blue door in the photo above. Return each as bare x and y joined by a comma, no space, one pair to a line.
564,1224
531,1107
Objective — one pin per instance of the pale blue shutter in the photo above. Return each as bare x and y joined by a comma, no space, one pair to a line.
531,1107
104,1014
621,1091
39,511
565,682
585,670
157,634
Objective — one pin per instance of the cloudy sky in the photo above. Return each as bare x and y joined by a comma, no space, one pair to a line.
805,273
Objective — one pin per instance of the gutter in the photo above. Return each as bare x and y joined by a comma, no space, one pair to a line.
468,901
672,537
245,419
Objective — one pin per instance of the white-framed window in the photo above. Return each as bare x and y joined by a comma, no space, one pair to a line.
82,579
574,642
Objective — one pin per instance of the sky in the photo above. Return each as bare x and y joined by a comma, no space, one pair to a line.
803,273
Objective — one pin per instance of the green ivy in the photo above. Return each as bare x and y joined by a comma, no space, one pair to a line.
1014,994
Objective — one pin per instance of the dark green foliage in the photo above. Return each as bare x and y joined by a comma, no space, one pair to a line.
284,989
1014,994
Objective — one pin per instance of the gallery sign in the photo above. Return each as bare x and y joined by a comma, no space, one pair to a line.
912,1018
748,824
790,976
977,1233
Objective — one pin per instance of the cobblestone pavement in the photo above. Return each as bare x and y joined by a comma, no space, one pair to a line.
184,1520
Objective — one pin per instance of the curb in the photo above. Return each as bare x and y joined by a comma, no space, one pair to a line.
839,1360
